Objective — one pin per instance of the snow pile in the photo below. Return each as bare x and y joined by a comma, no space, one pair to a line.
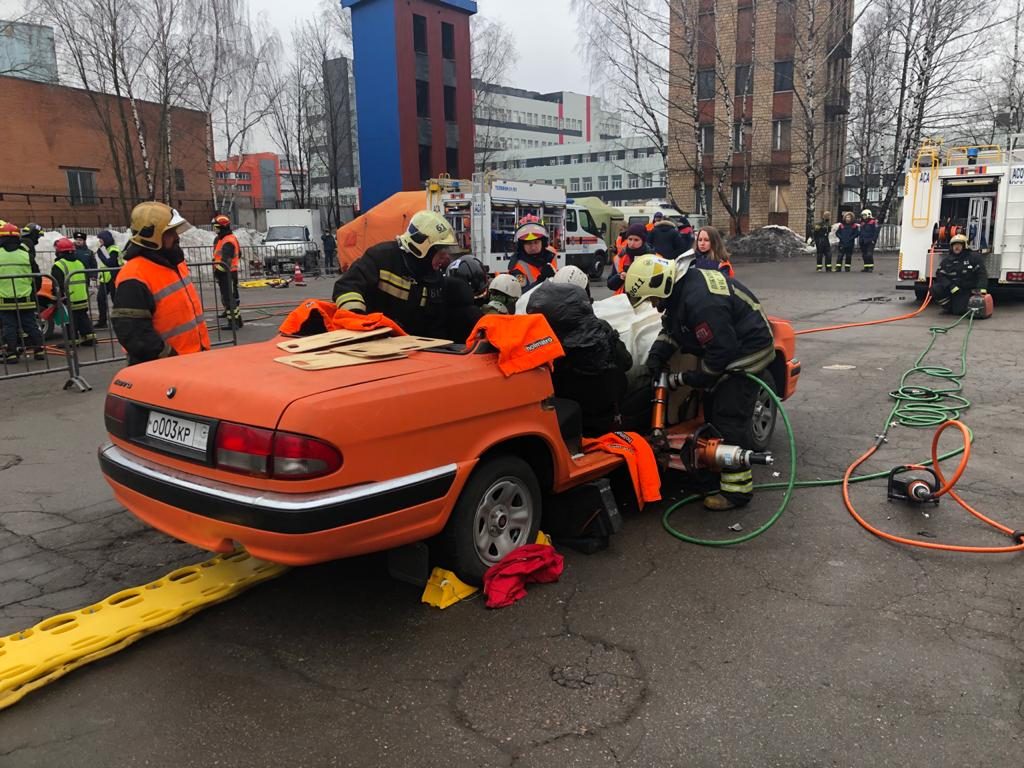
771,243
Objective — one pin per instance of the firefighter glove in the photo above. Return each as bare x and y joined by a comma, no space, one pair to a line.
698,379
546,272
220,266
657,359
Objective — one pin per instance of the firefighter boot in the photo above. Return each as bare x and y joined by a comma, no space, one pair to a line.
89,340
39,354
718,503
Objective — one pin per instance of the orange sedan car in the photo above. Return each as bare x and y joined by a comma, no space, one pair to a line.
230,448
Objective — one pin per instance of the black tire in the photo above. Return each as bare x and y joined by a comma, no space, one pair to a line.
45,327
764,415
474,542
596,265
920,293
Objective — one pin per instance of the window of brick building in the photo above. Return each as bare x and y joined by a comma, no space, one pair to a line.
781,134
617,181
707,139
447,40
82,187
783,76
744,80
706,84
426,169
451,157
179,180
778,198
419,33
422,98
449,103
741,136
740,199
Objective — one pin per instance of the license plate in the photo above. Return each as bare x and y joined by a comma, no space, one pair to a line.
177,431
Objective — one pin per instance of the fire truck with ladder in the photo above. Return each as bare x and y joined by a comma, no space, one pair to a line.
486,211
977,191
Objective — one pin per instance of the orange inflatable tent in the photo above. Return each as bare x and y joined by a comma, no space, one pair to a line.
385,221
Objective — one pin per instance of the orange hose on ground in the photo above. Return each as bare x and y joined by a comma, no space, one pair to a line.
907,316
946,488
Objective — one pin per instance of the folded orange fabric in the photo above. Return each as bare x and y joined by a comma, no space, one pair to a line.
311,316
524,342
643,467
351,321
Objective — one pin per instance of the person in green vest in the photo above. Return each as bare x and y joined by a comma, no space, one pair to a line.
76,290
17,296
109,257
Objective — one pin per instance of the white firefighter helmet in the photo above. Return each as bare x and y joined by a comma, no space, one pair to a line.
573,276
866,213
507,285
426,230
650,277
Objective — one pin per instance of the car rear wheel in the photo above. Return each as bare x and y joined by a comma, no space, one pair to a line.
920,293
597,262
764,414
498,511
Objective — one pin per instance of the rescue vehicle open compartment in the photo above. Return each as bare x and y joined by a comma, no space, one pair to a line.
485,213
977,191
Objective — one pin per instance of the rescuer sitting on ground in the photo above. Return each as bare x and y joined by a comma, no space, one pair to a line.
157,312
535,261
959,275
720,321
405,280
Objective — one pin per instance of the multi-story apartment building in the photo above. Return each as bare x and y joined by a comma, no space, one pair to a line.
760,120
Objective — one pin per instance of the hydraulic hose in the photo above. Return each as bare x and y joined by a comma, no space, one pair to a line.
907,316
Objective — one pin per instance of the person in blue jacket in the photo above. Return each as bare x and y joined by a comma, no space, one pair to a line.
847,234
868,236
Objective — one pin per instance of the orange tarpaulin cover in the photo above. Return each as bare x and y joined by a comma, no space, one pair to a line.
382,223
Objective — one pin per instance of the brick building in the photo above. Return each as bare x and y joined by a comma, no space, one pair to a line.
758,147
57,160
414,92
250,180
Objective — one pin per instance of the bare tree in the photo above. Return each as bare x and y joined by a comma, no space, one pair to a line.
287,91
493,54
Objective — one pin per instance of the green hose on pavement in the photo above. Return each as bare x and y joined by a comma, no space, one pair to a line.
916,407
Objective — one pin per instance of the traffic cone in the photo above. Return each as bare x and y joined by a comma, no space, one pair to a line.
298,279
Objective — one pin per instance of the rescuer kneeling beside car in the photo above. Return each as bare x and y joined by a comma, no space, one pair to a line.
720,321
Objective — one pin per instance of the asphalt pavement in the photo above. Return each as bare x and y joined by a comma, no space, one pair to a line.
814,645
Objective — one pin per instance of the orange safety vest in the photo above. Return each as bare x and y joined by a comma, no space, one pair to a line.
178,316
527,274
523,341
220,244
621,263
640,461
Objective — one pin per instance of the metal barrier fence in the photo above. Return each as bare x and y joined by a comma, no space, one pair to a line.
888,238
84,344
272,261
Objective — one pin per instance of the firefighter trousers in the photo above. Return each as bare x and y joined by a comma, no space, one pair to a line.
731,409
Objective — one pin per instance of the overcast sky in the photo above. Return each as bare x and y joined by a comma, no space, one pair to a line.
545,32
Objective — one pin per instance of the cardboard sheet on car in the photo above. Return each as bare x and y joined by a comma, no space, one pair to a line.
394,345
330,339
330,358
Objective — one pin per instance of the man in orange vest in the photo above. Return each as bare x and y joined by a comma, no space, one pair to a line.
226,255
157,312
535,261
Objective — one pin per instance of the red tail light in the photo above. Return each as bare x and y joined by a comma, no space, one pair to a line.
909,274
115,416
1015,277
266,453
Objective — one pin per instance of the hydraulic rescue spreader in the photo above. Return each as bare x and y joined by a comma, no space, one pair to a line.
693,448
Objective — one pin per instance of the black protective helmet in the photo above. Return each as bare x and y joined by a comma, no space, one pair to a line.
32,232
470,270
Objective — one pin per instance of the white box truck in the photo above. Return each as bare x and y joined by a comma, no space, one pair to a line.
977,191
293,237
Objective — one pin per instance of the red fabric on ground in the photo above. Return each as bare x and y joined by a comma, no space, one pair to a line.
505,582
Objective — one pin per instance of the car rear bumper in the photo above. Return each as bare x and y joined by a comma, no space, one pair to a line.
293,529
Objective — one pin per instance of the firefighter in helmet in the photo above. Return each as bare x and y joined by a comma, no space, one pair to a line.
535,260
17,296
960,274
227,254
719,320
405,279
